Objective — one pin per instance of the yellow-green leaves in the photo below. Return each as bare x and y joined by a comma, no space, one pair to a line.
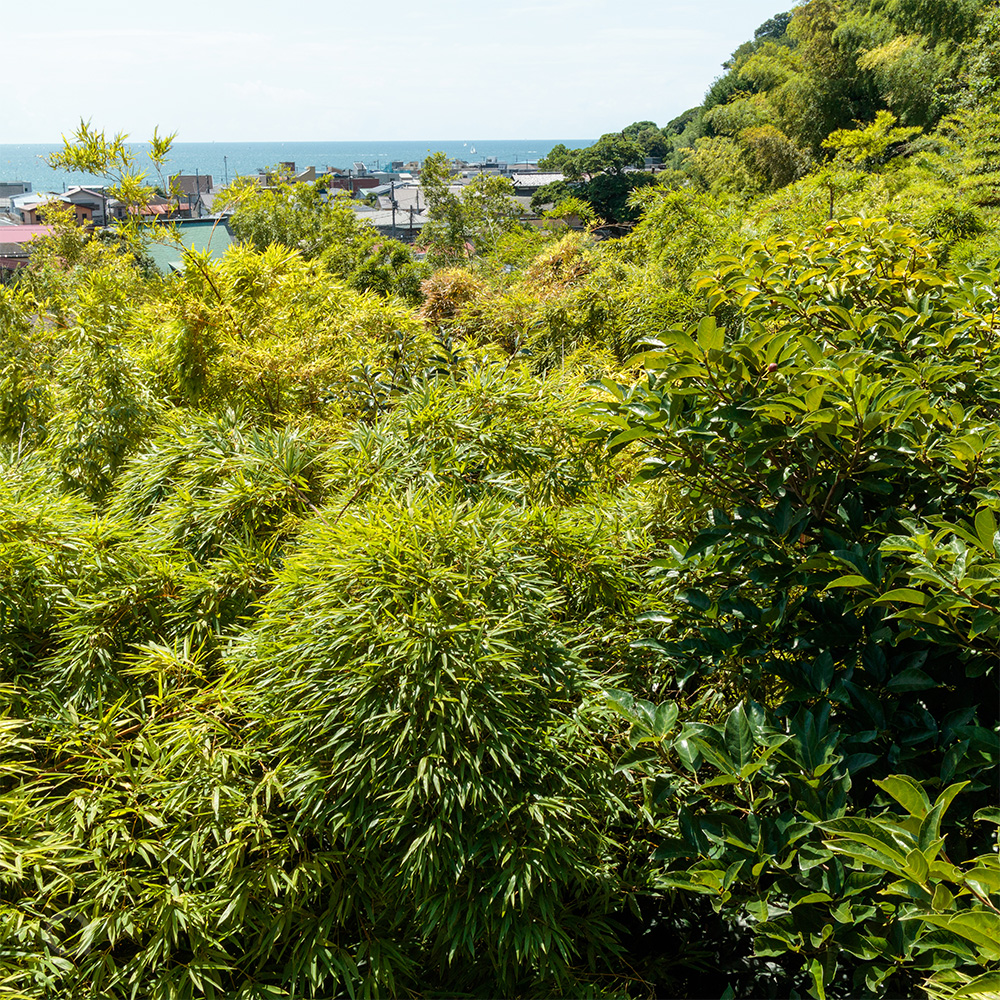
711,337
951,897
869,143
89,151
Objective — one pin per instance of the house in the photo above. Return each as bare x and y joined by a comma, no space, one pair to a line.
351,183
407,195
491,166
162,208
28,206
188,184
92,198
157,207
197,189
15,247
10,188
530,183
403,224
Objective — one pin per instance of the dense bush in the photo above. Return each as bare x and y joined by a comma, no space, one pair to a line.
841,439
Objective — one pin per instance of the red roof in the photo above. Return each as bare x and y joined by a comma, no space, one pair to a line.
157,209
22,234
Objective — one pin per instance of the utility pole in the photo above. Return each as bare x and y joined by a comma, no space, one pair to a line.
392,197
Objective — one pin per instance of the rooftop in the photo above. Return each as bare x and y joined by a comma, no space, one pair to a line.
167,247
22,234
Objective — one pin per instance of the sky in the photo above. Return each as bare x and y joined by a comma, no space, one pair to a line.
256,71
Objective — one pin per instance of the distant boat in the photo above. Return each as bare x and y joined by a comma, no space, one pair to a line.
472,150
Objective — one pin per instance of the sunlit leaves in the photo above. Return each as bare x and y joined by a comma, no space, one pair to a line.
837,445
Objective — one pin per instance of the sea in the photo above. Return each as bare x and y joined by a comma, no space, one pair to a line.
225,161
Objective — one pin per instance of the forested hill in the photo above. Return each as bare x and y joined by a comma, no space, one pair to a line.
530,613
808,74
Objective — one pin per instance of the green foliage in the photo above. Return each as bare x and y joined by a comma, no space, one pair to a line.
351,649
836,444
911,77
867,145
955,20
974,140
602,174
876,896
678,232
610,195
496,798
827,64
572,208
984,56
298,216
272,332
555,158
611,154
718,165
309,218
234,663
44,540
75,387
91,152
471,222
550,194
650,138
25,400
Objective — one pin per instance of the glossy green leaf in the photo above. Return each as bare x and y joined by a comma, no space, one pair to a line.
710,336
907,792
739,739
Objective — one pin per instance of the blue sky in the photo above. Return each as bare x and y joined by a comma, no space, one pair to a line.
255,71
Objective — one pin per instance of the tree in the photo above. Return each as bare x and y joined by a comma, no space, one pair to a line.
936,20
984,57
550,194
973,139
612,154
302,216
773,28
476,218
570,208
913,79
649,137
774,157
320,224
556,157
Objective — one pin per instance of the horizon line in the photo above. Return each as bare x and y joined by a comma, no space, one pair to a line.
179,142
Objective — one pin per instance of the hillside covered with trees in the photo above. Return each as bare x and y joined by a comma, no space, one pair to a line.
549,615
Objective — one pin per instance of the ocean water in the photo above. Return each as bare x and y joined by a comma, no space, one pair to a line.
26,161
